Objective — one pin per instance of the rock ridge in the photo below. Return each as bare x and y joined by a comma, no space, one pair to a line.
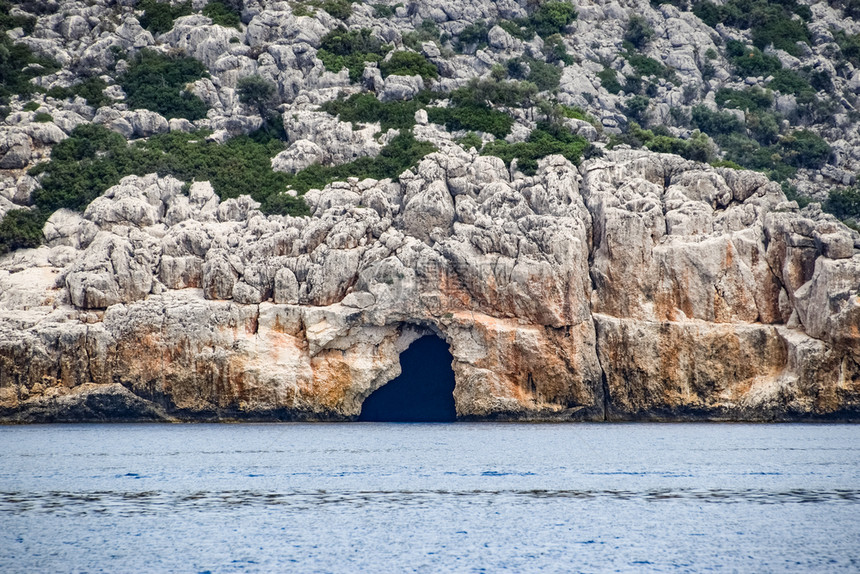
637,286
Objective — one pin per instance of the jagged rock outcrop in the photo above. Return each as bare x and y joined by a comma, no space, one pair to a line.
638,286
633,286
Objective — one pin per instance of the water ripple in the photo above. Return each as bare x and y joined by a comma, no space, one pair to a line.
154,502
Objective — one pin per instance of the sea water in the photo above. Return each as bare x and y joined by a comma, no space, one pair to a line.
376,497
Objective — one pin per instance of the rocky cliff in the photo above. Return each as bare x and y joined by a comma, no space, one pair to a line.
639,286
619,284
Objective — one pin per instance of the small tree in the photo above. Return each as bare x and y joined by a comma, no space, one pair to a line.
257,92
638,32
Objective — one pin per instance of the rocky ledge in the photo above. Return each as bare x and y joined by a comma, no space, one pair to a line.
637,286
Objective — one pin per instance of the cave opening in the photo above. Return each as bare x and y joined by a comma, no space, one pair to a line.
424,391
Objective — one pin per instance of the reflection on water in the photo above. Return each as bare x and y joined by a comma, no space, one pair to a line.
430,498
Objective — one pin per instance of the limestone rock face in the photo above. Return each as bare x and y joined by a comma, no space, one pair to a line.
635,286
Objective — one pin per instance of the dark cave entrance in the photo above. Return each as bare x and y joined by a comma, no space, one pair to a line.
424,391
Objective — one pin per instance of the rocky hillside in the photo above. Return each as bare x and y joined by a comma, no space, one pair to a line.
249,210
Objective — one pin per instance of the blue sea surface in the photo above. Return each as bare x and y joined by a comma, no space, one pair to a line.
377,497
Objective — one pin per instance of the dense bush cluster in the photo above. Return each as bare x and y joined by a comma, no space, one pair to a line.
21,228
93,159
609,80
546,139
342,48
749,99
157,82
404,63
769,152
660,140
844,204
543,75
401,153
472,38
546,19
638,31
751,61
770,22
849,45
18,64
366,108
224,13
91,89
472,106
158,16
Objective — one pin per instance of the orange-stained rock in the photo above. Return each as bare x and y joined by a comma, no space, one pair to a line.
638,286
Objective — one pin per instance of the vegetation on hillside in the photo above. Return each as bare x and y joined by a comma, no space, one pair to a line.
342,48
158,82
158,16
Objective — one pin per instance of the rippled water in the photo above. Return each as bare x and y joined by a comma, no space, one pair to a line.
377,497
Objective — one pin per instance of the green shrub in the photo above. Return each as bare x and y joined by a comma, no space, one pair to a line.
31,106
791,194
473,117
645,66
726,163
804,148
18,65
546,77
545,140
783,33
401,153
849,45
158,16
341,48
8,21
471,140
366,108
257,92
749,99
769,21
494,92
577,113
518,29
473,37
764,126
555,51
851,8
43,118
93,159
636,107
223,13
21,228
340,9
157,82
820,80
409,64
472,106
790,82
746,152
844,203
427,31
91,89
384,10
609,80
715,123
751,61
552,18
638,31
